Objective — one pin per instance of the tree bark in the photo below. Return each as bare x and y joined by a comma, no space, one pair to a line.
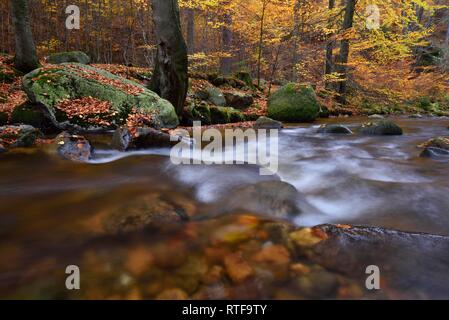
342,67
226,62
170,79
295,34
260,46
329,68
190,30
26,57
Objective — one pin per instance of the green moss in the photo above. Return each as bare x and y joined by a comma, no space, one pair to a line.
294,103
64,57
51,86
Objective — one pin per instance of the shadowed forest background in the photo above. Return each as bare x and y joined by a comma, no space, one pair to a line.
400,67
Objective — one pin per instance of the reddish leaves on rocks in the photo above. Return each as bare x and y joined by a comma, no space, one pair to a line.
90,110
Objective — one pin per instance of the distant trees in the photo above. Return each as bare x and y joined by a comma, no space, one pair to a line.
26,58
170,79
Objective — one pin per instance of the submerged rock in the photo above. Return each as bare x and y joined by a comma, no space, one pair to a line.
73,56
143,212
294,103
272,198
267,123
435,148
415,262
73,147
334,129
21,136
121,139
238,100
82,97
384,128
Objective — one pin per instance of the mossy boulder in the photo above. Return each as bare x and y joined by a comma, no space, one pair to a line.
334,129
216,97
435,148
238,100
294,103
76,95
381,128
223,115
73,56
208,114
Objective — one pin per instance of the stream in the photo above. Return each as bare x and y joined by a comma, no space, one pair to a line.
48,208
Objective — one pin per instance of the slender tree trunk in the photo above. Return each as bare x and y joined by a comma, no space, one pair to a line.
170,79
190,30
226,62
26,58
296,25
260,47
342,67
329,68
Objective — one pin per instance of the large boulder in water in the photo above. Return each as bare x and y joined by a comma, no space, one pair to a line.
381,128
334,129
271,198
414,262
81,96
294,103
267,123
73,56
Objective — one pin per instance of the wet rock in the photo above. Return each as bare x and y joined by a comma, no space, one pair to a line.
415,262
173,294
237,268
434,153
21,136
73,147
143,212
238,100
121,139
188,277
267,123
152,138
307,237
272,198
334,129
384,128
279,233
435,148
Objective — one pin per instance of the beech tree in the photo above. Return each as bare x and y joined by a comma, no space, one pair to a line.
170,79
26,58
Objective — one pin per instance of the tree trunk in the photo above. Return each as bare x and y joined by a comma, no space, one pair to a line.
342,67
226,62
260,46
170,79
190,30
26,58
296,25
329,68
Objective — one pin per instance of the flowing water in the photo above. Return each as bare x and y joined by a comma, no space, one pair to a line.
48,208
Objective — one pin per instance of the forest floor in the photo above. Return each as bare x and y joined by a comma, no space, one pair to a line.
418,93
